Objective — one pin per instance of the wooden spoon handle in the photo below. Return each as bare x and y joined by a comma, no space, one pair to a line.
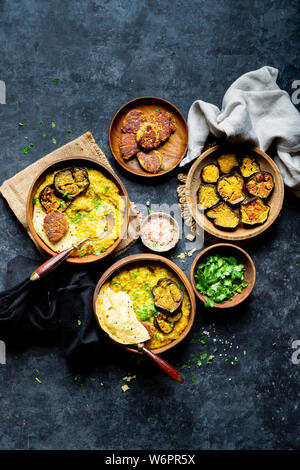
50,264
165,366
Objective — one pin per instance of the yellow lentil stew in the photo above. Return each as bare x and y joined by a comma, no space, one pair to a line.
138,282
86,215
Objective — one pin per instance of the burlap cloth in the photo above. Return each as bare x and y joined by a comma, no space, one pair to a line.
15,189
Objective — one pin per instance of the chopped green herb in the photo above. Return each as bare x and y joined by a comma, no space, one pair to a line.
20,124
55,79
245,352
220,278
69,131
35,200
53,125
41,122
51,355
193,377
44,134
78,322
38,380
54,141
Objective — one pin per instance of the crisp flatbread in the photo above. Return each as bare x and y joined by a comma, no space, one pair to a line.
117,318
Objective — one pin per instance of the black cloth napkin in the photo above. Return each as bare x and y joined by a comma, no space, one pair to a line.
58,306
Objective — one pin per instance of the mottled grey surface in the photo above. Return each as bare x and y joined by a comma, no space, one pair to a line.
105,53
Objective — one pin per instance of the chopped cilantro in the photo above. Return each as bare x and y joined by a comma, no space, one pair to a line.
53,124
54,141
55,79
220,278
20,124
78,322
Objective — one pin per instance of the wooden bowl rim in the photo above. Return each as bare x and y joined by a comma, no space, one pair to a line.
165,216
233,236
156,258
123,164
42,245
237,298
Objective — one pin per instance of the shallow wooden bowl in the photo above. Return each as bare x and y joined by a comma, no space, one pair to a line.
275,201
227,249
172,150
63,163
148,258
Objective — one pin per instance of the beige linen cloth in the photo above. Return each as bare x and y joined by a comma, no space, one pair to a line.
15,189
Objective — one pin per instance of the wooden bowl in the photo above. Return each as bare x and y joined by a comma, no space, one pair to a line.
227,249
148,258
241,233
159,248
172,150
63,163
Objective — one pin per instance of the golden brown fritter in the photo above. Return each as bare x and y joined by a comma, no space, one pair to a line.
128,146
148,136
151,161
55,226
132,121
164,122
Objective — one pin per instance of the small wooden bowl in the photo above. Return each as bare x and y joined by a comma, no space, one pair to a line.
148,258
148,243
172,150
63,163
241,233
227,249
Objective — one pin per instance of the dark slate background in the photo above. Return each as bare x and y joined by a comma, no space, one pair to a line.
106,53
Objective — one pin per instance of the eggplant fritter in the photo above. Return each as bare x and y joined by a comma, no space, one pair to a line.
55,226
164,122
132,121
128,146
148,136
50,201
71,182
150,161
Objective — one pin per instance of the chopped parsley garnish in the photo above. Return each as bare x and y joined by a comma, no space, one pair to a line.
220,278
53,124
55,79
97,203
54,141
35,199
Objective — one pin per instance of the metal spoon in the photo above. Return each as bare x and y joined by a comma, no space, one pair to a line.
53,262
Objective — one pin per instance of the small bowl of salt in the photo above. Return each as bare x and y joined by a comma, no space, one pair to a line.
159,232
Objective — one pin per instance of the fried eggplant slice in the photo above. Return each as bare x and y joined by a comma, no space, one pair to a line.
207,196
261,184
164,323
50,201
71,182
132,121
254,212
228,162
150,161
164,122
248,166
210,173
128,146
223,217
55,226
167,295
148,136
231,188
